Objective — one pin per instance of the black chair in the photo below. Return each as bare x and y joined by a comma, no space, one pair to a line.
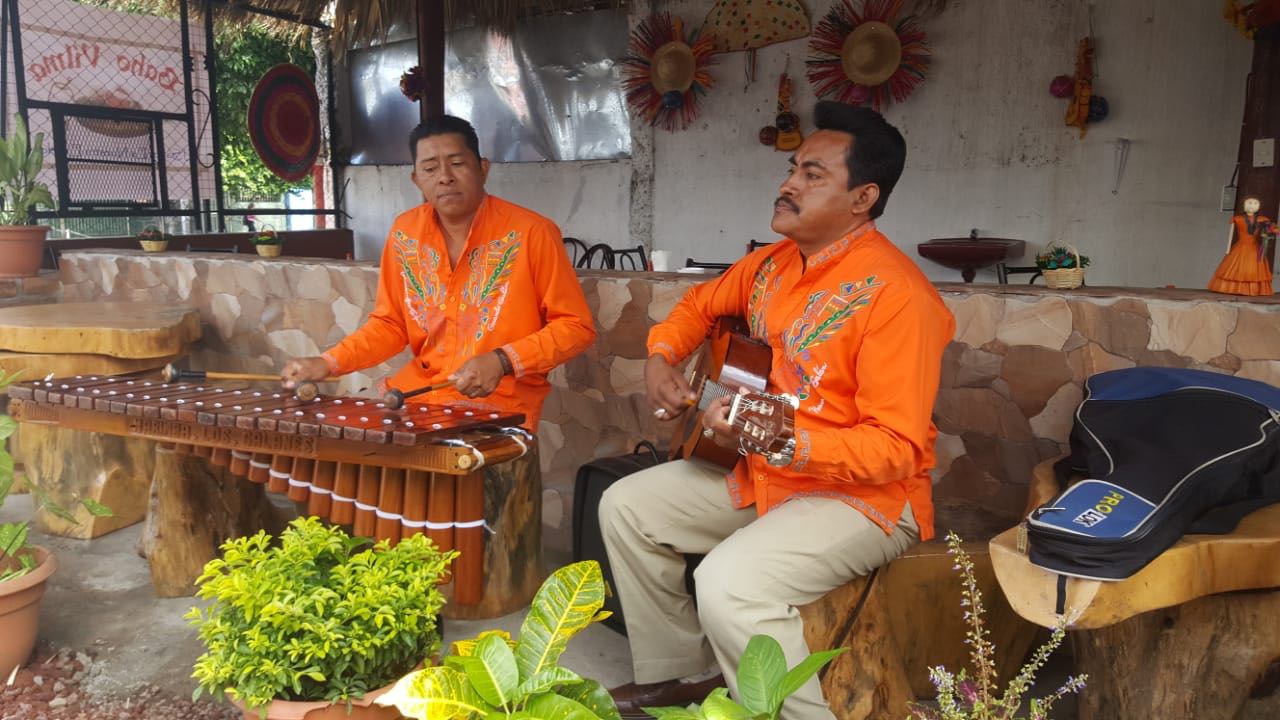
633,259
753,245
598,257
1004,271
576,249
691,263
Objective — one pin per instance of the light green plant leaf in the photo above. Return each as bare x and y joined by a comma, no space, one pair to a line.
96,508
718,706
435,693
547,680
7,426
675,713
797,676
558,707
760,673
565,604
12,537
492,671
464,648
594,697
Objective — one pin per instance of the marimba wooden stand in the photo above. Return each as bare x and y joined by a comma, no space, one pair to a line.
67,339
1194,634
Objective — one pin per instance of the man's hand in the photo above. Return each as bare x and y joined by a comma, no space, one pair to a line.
669,393
479,376
716,420
300,370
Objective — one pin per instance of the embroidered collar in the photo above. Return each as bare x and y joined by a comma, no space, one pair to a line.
838,247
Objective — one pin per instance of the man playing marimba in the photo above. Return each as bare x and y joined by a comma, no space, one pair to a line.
857,334
479,288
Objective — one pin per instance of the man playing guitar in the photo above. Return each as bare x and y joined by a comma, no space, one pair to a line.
856,334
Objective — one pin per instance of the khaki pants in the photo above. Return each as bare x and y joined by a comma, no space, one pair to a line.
757,571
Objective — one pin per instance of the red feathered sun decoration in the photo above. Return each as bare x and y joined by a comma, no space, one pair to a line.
826,73
673,110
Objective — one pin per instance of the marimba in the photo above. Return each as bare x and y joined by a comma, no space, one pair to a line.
386,473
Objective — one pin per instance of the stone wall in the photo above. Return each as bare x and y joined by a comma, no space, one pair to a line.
1010,382
37,290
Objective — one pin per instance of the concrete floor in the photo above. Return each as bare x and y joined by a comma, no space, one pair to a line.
100,601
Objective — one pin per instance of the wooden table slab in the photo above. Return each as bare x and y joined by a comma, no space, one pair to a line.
117,329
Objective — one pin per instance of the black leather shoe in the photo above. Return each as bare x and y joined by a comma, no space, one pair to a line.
632,698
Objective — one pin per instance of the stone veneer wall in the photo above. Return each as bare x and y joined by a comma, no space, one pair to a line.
1010,381
38,290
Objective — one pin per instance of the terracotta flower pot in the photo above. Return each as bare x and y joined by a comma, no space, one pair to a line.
20,610
362,709
21,250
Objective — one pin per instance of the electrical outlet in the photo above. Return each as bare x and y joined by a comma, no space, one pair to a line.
1228,198
1264,152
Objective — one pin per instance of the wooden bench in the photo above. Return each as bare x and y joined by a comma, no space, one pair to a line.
900,621
1192,635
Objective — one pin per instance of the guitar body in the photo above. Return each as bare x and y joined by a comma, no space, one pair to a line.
731,358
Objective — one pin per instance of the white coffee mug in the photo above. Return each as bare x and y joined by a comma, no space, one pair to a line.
661,260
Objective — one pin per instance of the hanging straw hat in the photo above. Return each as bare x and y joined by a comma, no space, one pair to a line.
673,67
871,53
750,24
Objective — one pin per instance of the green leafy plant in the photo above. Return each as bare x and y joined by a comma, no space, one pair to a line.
960,698
493,676
21,160
318,616
1059,258
151,233
764,683
16,554
266,236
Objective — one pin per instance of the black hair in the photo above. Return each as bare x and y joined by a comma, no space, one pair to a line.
444,125
877,152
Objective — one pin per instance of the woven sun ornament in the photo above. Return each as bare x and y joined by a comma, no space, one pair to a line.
666,71
867,51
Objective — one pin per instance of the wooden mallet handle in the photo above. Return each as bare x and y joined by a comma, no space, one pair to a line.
304,390
394,399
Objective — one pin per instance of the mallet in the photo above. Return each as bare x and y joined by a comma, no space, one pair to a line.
394,399
305,391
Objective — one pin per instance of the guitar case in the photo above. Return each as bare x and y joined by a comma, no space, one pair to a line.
1166,452
592,480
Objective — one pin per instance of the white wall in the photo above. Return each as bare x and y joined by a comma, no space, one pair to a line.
987,147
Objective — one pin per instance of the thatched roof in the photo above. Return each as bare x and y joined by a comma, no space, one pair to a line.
359,22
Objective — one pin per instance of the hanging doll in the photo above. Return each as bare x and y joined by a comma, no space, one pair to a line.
1245,271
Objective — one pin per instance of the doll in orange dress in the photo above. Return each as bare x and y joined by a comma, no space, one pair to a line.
1245,271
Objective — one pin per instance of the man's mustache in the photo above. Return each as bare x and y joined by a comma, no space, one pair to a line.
784,200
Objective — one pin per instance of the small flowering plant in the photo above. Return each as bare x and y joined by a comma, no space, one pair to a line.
151,233
1266,236
1059,258
266,236
963,698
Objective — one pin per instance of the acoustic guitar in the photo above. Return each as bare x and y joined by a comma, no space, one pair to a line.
730,360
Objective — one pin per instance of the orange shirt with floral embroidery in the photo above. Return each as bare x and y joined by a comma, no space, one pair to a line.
857,333
514,288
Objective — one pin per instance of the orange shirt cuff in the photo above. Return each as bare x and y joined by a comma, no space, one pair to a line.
517,364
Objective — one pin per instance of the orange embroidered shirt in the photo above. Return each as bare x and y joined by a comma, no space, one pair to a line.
857,334
514,288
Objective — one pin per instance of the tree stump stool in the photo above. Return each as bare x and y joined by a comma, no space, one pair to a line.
1194,634
67,339
900,621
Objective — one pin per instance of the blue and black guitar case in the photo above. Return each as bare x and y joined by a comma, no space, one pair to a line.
1167,452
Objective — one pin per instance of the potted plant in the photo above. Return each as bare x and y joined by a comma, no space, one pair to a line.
267,242
24,568
153,239
21,240
1062,266
493,676
318,623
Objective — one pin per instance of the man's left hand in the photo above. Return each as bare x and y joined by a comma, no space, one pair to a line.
716,419
479,376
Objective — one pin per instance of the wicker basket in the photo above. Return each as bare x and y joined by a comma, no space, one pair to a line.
269,250
154,245
1064,278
